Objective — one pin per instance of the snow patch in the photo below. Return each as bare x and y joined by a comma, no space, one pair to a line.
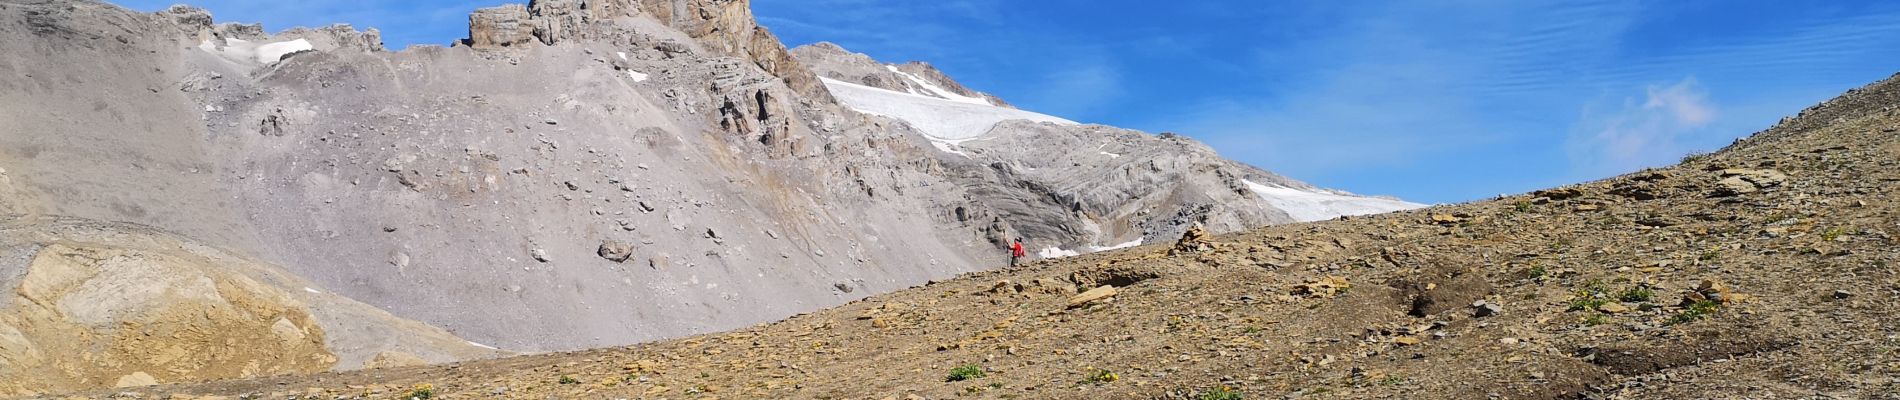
271,52
1110,155
948,147
1056,252
936,118
244,51
637,76
1306,206
938,91
1133,243
622,54
312,290
471,343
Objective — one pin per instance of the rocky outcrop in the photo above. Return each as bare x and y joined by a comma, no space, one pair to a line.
503,26
92,305
723,26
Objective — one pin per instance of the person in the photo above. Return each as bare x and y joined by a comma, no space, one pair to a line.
1016,252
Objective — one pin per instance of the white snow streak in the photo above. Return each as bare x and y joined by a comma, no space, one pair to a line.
637,76
936,118
312,290
939,91
1056,252
1308,206
948,147
622,54
483,346
1136,242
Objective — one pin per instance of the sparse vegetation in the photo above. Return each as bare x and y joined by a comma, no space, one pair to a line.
1538,273
1695,311
1594,294
1595,319
1710,255
964,373
1637,294
1833,234
567,380
1522,206
421,392
1694,156
1220,393
1100,376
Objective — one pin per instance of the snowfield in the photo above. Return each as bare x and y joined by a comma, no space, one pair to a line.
940,120
1308,206
240,50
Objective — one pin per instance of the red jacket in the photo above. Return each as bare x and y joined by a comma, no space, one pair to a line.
1016,250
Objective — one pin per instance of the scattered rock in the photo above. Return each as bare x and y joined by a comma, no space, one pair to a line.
1092,295
1739,181
1323,288
135,379
1613,308
394,359
1483,309
616,251
1407,340
1195,240
1447,219
539,254
1713,290
1558,194
1587,207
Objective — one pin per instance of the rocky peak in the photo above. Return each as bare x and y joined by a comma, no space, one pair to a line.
835,62
726,27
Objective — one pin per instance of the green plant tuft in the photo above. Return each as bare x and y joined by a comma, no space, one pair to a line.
1220,393
421,392
1696,311
963,373
1637,294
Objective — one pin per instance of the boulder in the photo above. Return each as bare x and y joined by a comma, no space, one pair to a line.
1739,181
1092,295
615,251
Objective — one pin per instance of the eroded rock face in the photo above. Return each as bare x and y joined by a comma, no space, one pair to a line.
93,305
503,26
89,315
724,26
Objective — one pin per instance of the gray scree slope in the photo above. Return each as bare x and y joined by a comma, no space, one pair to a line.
474,187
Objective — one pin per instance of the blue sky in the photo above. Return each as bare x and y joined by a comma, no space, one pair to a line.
1432,101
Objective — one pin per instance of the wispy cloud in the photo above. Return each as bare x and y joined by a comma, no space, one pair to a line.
1641,134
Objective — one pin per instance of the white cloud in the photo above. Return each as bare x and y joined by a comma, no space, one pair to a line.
1637,135
1685,101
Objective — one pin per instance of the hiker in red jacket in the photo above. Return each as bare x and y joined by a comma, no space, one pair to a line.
1016,252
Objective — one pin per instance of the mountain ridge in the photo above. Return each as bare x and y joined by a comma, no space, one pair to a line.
572,175
1756,271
